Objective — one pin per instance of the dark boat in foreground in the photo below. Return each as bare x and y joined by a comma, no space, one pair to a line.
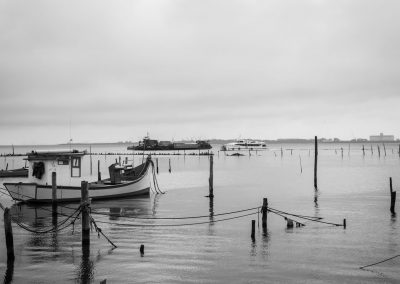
21,172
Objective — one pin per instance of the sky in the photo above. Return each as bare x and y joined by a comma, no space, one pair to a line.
108,71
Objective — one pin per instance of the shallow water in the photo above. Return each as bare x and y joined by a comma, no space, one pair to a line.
354,187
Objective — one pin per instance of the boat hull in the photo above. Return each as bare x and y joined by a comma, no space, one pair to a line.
33,192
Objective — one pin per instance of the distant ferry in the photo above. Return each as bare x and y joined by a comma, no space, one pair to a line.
155,145
244,144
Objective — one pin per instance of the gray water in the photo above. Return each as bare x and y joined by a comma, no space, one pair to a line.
354,187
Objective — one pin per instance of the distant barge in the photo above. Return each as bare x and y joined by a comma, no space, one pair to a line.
154,145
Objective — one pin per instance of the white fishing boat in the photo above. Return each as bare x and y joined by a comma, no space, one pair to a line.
244,144
38,187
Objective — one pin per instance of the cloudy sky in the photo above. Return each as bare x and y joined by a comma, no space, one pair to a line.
114,70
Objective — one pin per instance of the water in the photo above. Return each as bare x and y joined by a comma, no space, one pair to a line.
354,187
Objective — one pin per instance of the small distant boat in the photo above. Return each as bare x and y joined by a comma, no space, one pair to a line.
148,144
122,182
244,144
21,172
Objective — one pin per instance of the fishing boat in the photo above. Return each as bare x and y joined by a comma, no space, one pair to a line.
38,188
244,144
148,144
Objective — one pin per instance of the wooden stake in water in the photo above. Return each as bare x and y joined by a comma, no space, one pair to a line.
9,235
98,171
379,151
85,213
157,165
384,149
253,228
90,153
54,192
169,161
315,162
363,149
301,167
372,151
264,210
211,178
392,197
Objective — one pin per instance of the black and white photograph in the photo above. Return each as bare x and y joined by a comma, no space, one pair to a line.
198,141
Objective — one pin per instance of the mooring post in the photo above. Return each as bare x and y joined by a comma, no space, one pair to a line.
315,162
363,149
392,197
141,250
264,210
98,171
85,213
54,192
372,151
344,223
379,151
211,178
9,235
253,228
169,161
157,165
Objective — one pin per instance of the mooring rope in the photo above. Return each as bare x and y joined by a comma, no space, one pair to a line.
175,225
302,217
362,267
174,218
99,231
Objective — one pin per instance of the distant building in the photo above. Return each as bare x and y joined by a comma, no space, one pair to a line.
381,138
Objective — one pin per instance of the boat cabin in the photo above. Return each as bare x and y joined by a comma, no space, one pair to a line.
66,163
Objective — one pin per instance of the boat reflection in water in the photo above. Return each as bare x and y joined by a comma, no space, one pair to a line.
64,245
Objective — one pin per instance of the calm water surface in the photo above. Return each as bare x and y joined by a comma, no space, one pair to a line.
351,186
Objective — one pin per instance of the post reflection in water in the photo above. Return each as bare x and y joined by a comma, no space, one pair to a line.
8,276
86,267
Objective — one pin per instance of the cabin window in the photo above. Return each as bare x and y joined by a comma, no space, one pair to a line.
63,162
75,167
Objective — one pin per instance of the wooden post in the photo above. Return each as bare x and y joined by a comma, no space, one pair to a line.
211,178
98,171
7,166
9,235
169,161
289,223
379,151
264,210
344,224
157,165
372,150
54,192
119,160
90,153
384,149
253,228
281,152
315,162
341,148
141,250
85,213
392,197
363,149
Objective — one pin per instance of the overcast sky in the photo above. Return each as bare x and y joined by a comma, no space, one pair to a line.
108,71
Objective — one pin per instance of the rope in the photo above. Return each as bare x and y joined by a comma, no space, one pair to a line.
175,218
176,225
99,231
362,267
302,217
284,216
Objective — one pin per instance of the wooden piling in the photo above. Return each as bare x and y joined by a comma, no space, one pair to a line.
379,151
141,250
54,192
363,149
264,210
211,178
119,160
372,151
126,160
392,197
315,162
289,223
157,165
90,154
253,228
9,235
169,161
98,171
344,224
384,149
85,213
341,148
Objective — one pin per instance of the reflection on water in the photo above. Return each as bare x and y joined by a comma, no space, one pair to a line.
352,187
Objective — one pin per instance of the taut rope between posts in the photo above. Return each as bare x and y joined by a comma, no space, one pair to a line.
362,267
